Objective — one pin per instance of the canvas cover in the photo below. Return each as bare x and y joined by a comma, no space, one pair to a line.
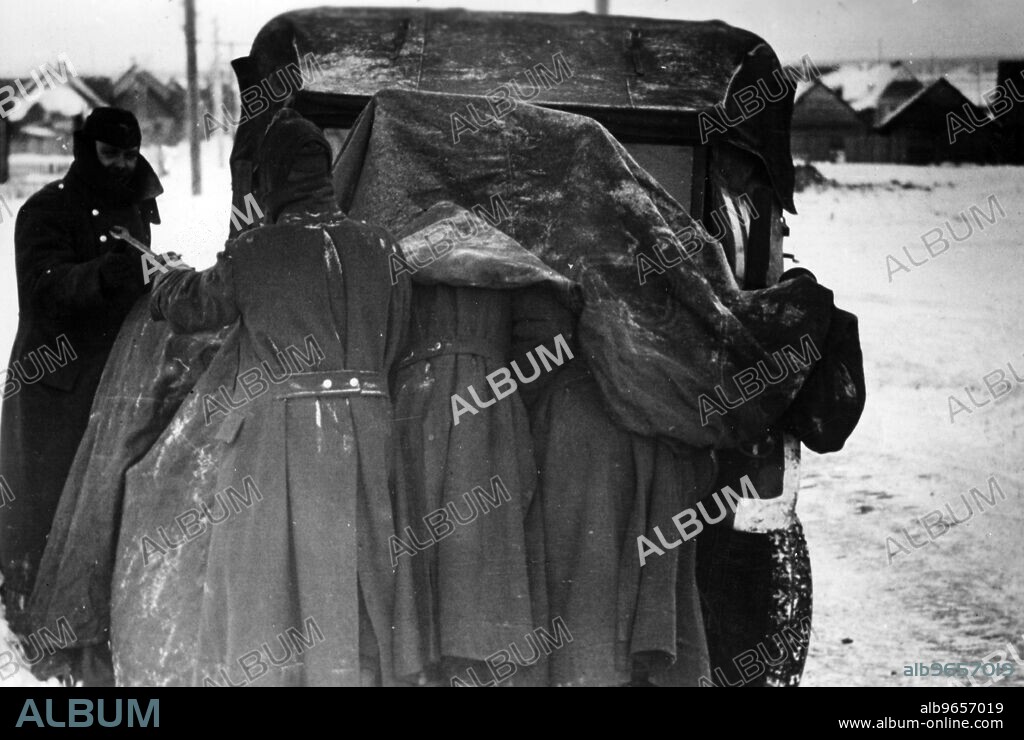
657,340
577,202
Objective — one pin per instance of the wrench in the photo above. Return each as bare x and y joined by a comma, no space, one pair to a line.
120,232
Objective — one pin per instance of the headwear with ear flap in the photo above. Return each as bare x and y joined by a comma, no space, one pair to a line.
293,165
116,127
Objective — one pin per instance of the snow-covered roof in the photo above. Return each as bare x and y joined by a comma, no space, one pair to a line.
929,90
802,87
41,132
69,99
87,92
971,81
63,100
862,84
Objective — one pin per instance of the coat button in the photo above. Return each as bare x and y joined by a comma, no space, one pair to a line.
95,212
354,382
326,385
103,237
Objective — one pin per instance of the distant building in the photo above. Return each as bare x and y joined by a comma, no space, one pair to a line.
825,128
178,93
46,116
1010,129
908,115
973,79
873,91
917,131
157,106
101,85
37,145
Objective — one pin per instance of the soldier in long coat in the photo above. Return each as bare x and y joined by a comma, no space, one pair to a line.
466,476
632,621
299,585
76,284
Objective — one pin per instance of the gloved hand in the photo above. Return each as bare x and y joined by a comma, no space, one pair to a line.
173,261
120,271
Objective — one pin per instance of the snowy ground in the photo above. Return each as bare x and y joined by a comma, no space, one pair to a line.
926,335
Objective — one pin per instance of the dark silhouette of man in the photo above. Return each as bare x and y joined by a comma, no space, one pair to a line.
76,284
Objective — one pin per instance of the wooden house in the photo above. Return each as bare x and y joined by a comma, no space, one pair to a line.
157,106
918,132
825,128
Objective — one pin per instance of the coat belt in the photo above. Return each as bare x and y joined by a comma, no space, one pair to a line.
333,383
482,346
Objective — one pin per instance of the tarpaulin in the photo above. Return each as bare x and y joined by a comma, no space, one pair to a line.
150,373
659,339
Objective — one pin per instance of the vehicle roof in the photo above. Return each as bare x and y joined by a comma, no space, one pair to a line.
643,78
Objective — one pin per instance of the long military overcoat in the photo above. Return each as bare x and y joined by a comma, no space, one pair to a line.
299,578
69,319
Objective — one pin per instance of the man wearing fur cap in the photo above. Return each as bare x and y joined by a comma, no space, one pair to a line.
76,284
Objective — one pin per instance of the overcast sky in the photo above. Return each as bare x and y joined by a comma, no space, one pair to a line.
105,36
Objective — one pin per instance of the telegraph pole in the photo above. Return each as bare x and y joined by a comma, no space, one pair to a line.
193,96
602,7
218,89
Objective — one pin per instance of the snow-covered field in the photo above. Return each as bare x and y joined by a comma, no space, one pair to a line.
931,331
926,335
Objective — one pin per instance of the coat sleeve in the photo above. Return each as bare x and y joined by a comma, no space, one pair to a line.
48,271
196,301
